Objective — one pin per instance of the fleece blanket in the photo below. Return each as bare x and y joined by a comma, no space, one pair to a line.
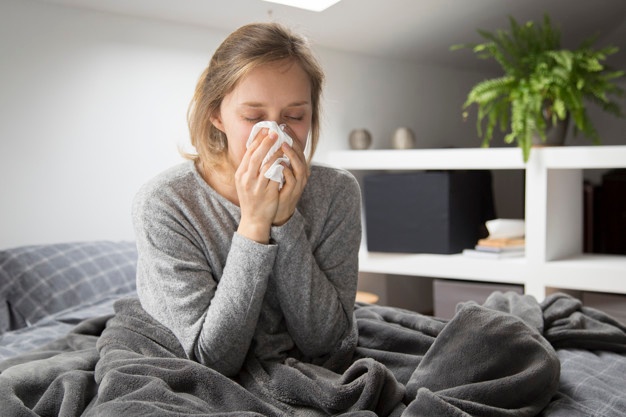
497,359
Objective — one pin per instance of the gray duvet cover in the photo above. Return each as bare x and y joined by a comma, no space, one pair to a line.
509,357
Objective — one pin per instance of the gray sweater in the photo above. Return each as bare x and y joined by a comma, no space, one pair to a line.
224,295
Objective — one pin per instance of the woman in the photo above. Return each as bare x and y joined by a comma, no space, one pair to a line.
228,261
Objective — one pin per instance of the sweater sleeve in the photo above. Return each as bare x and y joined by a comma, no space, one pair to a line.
213,320
316,282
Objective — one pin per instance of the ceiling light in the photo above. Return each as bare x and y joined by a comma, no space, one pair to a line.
313,5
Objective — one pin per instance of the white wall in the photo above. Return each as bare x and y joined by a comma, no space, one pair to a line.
94,104
365,92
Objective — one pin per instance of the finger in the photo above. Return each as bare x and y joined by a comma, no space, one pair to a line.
261,134
297,160
293,151
290,179
258,153
250,166
258,140
250,149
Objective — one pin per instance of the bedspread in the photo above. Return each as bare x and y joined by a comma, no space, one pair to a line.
497,359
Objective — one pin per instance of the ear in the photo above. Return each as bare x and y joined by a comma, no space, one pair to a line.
216,120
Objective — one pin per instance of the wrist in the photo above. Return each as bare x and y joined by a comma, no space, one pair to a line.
256,232
283,216
280,222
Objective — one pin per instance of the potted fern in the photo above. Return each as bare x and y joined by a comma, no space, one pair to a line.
543,86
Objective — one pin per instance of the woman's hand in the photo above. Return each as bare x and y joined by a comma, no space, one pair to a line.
296,177
258,196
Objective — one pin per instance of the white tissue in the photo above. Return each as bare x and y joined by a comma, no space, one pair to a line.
275,172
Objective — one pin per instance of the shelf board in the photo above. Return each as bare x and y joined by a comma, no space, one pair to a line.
456,266
422,159
590,272
608,271
565,157
581,157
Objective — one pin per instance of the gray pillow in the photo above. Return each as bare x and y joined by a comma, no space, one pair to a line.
36,281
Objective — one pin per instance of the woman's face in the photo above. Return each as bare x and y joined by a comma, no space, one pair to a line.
279,92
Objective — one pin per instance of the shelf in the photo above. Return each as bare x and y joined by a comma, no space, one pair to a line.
590,272
553,177
420,159
569,157
581,157
457,266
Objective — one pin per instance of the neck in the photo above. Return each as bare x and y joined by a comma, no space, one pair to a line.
221,177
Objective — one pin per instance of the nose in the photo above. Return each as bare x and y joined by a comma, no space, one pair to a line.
287,130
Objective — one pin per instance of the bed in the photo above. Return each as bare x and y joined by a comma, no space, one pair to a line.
75,341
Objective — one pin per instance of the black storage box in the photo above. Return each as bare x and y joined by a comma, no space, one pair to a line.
427,212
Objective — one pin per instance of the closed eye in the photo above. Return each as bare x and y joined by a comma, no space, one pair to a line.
251,119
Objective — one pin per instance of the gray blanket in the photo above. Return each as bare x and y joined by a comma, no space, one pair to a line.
497,359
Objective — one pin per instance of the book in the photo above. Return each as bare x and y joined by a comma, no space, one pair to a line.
500,249
502,242
474,253
589,214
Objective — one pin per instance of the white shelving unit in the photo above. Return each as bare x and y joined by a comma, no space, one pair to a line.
554,218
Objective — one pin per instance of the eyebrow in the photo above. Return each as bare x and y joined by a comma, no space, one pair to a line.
258,105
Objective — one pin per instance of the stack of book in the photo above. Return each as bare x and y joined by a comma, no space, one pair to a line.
506,240
497,248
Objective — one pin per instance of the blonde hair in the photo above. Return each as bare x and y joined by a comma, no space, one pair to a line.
247,48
